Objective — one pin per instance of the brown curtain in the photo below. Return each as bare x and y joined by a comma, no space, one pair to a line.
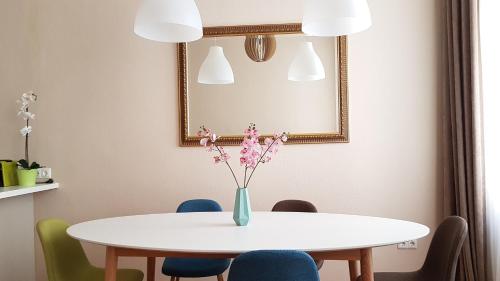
463,159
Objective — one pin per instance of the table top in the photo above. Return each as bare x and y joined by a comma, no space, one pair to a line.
217,233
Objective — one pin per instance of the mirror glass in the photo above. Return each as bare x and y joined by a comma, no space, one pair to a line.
283,82
262,93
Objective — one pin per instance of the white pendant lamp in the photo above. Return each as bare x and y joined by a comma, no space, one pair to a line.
170,21
335,17
216,68
306,66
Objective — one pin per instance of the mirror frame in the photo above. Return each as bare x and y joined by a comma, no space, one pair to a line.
241,30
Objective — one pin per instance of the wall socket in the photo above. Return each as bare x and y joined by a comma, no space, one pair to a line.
410,244
44,173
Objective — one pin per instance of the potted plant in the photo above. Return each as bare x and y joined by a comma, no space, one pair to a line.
26,172
251,155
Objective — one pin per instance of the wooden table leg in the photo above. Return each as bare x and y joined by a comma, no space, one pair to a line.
366,265
111,264
353,270
151,268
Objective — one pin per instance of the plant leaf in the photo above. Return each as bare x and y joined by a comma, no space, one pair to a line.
23,164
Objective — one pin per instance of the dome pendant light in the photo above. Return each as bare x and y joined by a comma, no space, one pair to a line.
260,48
170,21
216,68
335,17
306,66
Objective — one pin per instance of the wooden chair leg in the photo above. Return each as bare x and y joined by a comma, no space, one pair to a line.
177,278
172,278
220,277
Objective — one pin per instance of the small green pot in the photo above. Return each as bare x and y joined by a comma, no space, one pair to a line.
27,178
242,213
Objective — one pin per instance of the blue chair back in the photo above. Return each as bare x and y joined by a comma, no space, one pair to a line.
193,267
267,265
199,205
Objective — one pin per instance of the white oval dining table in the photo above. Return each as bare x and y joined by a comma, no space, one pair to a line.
215,235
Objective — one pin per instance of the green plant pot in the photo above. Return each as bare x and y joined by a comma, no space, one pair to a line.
27,178
242,211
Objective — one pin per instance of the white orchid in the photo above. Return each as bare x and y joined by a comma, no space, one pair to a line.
26,115
26,130
24,103
26,100
29,96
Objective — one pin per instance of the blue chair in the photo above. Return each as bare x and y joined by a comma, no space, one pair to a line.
189,267
273,266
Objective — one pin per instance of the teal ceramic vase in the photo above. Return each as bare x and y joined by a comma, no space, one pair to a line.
242,211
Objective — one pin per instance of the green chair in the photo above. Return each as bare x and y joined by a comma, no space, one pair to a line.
65,259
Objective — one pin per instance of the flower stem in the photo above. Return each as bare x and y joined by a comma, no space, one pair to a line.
229,166
264,154
245,179
26,147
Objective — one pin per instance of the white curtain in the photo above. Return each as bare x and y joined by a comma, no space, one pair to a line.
490,57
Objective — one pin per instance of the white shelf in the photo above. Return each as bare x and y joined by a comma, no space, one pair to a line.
12,191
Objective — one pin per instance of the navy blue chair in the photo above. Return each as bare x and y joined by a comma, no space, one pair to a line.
269,265
190,267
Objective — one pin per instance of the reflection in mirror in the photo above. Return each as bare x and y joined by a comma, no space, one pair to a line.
261,92
264,65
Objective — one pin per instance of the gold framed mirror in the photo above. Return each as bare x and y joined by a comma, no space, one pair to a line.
312,111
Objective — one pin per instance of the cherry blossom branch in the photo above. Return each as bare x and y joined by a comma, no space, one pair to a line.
229,166
260,160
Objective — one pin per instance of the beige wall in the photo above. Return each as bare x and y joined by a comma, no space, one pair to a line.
108,113
16,70
17,261
17,252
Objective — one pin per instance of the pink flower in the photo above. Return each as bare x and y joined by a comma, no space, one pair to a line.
252,150
249,143
225,157
210,147
217,159
252,153
271,146
204,132
251,132
204,141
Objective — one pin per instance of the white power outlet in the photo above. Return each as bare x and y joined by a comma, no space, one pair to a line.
44,173
411,244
